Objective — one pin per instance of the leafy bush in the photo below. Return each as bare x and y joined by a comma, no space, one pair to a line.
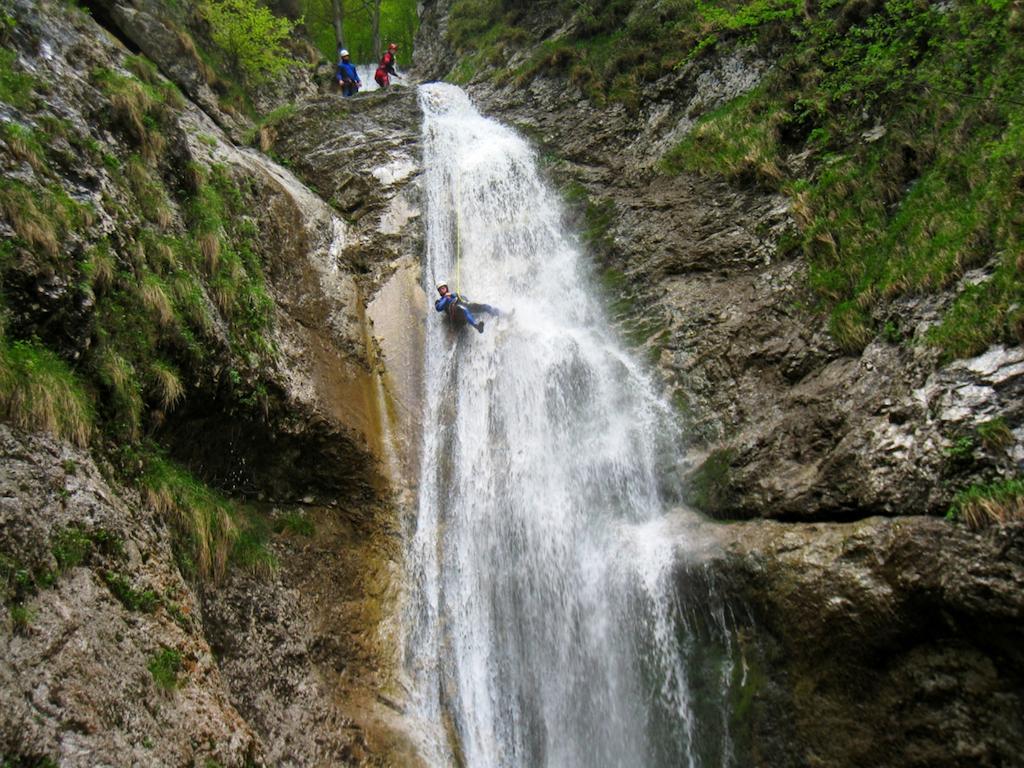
251,36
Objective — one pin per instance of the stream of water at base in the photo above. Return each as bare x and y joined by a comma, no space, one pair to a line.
542,627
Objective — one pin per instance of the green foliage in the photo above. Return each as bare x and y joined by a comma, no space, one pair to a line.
203,520
995,434
15,85
961,450
251,36
41,218
911,206
22,761
21,617
709,487
39,392
294,522
598,213
70,548
121,587
275,117
24,143
398,24
140,107
982,505
251,551
165,667
468,20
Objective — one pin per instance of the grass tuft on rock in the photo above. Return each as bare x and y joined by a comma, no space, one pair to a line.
981,506
203,519
165,667
39,392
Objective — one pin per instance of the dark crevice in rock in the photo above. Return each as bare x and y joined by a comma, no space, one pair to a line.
100,13
280,456
833,515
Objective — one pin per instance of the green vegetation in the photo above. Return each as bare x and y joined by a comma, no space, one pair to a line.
294,522
15,85
21,761
961,450
613,51
252,37
995,435
172,295
145,600
989,504
266,123
21,617
165,667
38,391
398,24
708,488
141,105
204,520
24,144
909,112
213,530
598,214
70,548
917,136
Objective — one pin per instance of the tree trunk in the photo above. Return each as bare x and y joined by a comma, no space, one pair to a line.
339,29
376,30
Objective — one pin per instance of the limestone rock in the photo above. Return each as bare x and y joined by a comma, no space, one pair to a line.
890,642
75,682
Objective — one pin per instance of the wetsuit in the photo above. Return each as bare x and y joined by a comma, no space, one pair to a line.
452,302
348,77
386,68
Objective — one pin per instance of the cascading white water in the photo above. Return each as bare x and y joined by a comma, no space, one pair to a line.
540,626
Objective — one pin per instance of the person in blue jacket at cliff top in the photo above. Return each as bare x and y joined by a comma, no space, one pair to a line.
455,305
347,76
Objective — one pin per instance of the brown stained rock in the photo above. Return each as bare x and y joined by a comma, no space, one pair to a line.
308,653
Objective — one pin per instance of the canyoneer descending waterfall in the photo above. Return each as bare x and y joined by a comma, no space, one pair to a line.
542,625
459,308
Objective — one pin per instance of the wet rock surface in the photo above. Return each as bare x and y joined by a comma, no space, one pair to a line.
890,642
306,651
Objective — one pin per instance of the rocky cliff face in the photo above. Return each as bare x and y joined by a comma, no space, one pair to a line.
870,641
211,576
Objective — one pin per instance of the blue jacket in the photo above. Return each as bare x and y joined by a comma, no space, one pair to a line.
442,303
347,71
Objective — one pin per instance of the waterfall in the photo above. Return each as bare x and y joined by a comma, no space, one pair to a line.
542,624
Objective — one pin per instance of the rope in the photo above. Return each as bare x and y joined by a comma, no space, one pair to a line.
458,229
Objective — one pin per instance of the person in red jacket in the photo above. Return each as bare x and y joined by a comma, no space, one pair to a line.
387,67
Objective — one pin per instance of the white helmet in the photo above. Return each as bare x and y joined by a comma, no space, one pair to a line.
343,53
442,284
